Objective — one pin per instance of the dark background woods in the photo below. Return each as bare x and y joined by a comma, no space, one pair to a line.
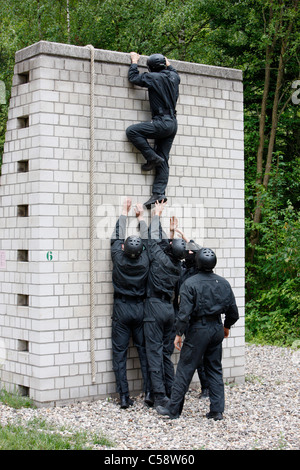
262,38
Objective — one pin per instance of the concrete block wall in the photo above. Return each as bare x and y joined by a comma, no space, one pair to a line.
45,247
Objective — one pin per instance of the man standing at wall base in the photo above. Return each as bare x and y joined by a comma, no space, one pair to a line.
162,82
165,263
203,298
129,277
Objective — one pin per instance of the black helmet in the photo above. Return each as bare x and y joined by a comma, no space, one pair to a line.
206,259
178,248
133,246
156,62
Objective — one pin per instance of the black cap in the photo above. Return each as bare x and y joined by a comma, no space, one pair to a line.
156,62
178,248
206,259
133,246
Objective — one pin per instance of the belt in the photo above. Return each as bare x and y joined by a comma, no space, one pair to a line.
207,318
165,112
161,296
129,298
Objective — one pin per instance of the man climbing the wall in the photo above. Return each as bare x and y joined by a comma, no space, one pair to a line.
129,277
162,82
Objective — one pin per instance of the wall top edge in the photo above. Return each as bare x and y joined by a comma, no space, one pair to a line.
101,55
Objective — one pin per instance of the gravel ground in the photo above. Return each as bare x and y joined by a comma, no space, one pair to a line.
261,414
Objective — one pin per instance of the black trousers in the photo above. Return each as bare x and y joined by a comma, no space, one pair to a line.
127,320
163,130
203,340
202,377
159,334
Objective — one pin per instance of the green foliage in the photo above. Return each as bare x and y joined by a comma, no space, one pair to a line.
273,278
14,400
38,435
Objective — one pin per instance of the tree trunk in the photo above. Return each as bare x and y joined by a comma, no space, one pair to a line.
275,116
68,22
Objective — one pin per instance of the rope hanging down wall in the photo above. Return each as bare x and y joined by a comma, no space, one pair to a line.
92,212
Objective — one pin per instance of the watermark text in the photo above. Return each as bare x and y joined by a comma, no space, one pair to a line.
296,94
2,93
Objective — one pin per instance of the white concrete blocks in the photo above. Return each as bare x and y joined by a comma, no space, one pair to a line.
49,129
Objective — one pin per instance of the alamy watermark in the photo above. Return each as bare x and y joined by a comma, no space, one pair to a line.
296,94
2,353
2,93
191,218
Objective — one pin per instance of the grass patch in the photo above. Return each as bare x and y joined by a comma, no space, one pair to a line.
38,435
14,400
253,378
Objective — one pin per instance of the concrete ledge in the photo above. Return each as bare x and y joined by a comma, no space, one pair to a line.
83,53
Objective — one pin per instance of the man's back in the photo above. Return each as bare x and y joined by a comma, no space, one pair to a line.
164,268
129,276
163,87
213,293
206,294
163,273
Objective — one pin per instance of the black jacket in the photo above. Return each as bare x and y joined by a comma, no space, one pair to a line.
185,273
203,294
129,276
163,87
164,269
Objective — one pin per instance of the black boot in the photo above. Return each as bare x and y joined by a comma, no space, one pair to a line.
149,399
155,197
166,412
204,393
125,401
215,415
152,163
161,401
147,166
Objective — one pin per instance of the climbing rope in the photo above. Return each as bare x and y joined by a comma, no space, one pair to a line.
92,212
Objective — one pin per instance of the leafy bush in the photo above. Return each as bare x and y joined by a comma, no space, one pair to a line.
273,277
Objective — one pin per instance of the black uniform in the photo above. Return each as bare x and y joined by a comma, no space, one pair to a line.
129,279
188,269
159,312
163,87
203,298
